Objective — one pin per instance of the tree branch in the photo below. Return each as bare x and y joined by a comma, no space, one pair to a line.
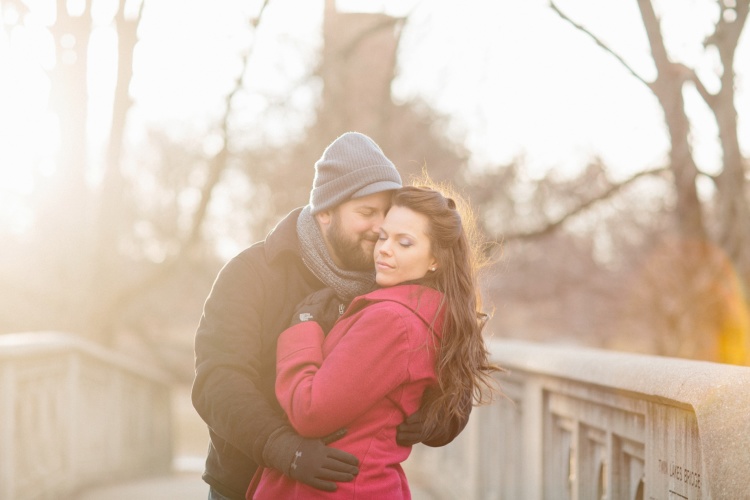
692,76
217,164
599,42
556,224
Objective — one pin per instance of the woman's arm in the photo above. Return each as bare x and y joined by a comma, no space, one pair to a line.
370,361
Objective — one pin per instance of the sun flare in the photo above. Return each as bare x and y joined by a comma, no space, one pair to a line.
27,128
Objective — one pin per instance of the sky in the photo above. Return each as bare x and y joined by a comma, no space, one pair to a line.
515,79
522,80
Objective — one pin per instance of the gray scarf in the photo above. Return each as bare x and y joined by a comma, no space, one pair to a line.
347,284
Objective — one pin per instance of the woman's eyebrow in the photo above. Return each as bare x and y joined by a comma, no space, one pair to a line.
398,235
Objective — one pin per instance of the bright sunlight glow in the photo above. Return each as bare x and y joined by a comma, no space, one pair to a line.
26,126
502,81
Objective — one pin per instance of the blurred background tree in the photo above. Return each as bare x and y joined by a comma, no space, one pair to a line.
690,293
129,231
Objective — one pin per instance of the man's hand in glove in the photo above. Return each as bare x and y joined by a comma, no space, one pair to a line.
323,307
309,461
412,431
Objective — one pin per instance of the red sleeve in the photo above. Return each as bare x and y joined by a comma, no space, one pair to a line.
369,362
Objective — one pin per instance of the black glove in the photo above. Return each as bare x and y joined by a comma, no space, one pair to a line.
323,307
412,431
309,461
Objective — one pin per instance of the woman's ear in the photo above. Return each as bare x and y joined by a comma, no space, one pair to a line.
433,265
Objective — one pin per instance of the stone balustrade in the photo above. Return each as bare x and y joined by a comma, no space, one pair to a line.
590,424
576,423
73,414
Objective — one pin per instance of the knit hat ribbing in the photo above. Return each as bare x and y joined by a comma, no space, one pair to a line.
352,166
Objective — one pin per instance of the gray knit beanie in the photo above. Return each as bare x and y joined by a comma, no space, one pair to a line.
352,166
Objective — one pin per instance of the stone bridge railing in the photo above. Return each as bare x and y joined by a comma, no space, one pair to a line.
590,424
73,414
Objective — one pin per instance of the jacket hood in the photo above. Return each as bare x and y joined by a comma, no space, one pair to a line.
423,301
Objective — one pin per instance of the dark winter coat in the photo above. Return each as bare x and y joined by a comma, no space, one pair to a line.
250,304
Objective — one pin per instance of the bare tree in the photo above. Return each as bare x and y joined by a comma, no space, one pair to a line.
82,272
696,268
356,68
76,226
562,272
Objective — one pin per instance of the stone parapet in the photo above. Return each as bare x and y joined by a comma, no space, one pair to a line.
582,423
73,414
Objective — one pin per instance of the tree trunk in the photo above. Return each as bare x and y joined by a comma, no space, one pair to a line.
667,88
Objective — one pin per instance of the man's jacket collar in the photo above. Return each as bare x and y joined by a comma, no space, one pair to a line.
283,237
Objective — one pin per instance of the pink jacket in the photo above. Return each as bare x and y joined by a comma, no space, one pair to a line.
367,375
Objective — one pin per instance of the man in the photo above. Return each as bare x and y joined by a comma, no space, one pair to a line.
328,243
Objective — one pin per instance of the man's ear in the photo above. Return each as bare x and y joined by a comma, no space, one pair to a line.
323,218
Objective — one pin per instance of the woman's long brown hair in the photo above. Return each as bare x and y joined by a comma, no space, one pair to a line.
464,370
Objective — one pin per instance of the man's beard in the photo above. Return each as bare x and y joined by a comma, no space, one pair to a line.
349,248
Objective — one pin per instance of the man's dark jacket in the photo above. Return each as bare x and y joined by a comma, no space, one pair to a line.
250,304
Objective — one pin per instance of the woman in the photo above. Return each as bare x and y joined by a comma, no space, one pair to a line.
420,329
